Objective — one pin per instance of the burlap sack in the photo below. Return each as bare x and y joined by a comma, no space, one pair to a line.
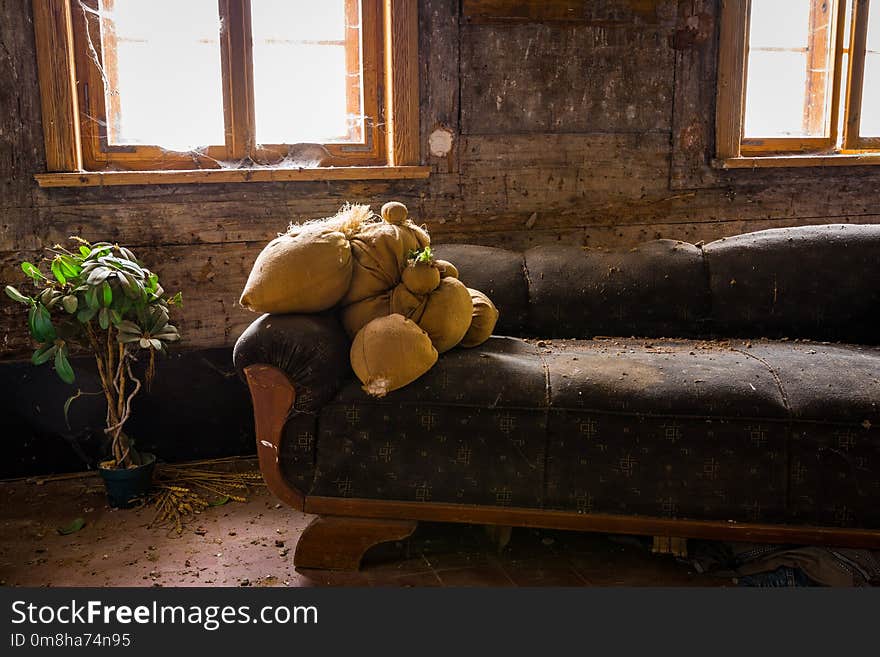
447,315
389,353
379,251
358,315
483,320
300,273
447,269
404,302
421,277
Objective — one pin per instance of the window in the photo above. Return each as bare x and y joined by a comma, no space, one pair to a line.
226,85
799,82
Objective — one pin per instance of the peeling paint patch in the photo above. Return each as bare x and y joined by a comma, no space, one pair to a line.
440,142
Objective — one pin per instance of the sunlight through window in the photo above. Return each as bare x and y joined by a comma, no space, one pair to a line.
306,70
870,117
164,85
789,68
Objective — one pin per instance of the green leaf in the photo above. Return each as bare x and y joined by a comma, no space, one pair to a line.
103,318
98,275
85,315
62,366
176,300
32,271
220,501
69,266
159,318
127,254
106,294
169,334
92,298
70,303
123,306
57,271
32,326
15,295
74,526
46,296
84,250
42,328
44,354
127,326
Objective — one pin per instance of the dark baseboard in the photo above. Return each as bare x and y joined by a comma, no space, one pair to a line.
197,408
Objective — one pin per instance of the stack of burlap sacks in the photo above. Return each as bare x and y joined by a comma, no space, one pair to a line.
400,306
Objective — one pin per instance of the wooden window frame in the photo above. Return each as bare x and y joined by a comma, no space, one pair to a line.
77,150
734,150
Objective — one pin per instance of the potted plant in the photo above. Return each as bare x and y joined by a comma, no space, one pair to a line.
100,298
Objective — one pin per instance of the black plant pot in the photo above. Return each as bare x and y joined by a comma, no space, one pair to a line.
126,486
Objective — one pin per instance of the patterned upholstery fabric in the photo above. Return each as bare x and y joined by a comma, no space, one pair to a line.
674,423
473,430
691,429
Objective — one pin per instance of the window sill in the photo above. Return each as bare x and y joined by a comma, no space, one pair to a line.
206,176
766,161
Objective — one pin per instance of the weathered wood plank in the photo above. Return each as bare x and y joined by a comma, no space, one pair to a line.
21,138
578,11
621,236
563,78
695,64
439,60
544,172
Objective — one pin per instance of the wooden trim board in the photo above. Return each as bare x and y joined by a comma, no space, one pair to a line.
594,522
55,65
207,176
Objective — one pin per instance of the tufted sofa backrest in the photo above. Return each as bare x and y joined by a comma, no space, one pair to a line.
817,282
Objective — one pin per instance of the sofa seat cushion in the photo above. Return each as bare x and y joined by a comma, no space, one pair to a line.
679,377
826,382
472,430
501,372
759,431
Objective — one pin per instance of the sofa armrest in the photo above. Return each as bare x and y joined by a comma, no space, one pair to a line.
312,350
293,364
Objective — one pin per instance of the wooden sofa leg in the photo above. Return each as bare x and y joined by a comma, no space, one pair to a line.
499,535
338,543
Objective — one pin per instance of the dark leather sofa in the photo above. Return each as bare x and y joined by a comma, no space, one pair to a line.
745,406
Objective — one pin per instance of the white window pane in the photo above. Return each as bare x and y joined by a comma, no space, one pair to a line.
870,117
298,20
301,81
297,102
168,89
779,23
874,27
775,94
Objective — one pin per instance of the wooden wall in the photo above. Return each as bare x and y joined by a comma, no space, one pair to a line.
581,121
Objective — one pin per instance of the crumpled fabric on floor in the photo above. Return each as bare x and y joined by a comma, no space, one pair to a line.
786,565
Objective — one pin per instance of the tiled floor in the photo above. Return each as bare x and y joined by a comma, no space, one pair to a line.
252,544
